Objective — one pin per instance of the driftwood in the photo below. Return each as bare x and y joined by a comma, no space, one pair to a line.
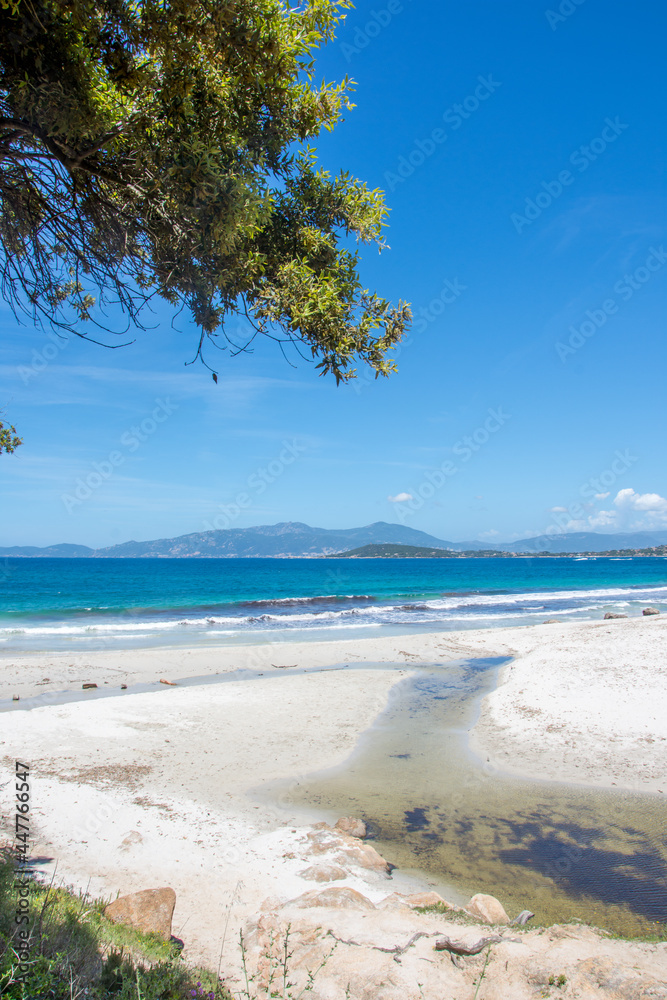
522,919
396,951
458,948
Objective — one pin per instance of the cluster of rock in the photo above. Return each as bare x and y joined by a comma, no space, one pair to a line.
646,612
342,944
151,910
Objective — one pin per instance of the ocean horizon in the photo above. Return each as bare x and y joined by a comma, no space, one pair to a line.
50,605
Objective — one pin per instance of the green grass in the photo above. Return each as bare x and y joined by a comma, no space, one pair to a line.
75,953
655,933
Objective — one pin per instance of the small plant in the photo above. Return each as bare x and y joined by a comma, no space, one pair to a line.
434,908
483,972
559,981
76,953
278,956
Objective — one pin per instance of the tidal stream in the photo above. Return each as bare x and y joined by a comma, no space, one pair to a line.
436,810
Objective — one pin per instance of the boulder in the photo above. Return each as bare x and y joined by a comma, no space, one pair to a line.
551,621
149,911
363,855
650,611
488,909
393,901
352,827
324,873
340,898
349,850
612,614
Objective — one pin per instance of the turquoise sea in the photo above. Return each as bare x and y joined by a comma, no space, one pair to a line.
52,604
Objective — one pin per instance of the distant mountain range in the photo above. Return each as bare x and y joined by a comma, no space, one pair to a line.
292,539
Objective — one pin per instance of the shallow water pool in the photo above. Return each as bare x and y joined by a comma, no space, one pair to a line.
433,807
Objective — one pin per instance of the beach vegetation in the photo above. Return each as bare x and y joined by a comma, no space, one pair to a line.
68,950
163,151
276,980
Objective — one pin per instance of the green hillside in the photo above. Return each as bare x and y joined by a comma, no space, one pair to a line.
389,551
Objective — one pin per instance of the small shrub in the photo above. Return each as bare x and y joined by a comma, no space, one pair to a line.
77,954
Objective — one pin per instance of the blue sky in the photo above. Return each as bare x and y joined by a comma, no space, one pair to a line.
522,149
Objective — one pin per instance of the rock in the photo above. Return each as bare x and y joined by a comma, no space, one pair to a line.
15,697
86,687
428,899
650,611
123,687
133,837
149,911
352,827
324,873
393,901
350,850
611,614
172,684
363,855
608,978
552,621
488,909
340,898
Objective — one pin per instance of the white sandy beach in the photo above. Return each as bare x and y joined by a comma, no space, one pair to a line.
581,702
142,789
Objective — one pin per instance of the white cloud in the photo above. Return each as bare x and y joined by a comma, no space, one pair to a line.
631,511
491,533
645,502
400,498
603,519
640,511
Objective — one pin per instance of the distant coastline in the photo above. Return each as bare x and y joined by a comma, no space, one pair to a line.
295,540
416,552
